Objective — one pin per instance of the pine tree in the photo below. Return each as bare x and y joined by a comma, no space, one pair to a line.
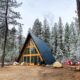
60,49
37,29
60,34
46,32
8,16
78,12
74,38
13,35
73,34
53,39
78,21
12,42
2,30
20,37
67,40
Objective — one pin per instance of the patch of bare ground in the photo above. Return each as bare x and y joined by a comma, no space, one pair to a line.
37,73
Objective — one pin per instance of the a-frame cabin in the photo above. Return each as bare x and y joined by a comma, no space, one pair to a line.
35,51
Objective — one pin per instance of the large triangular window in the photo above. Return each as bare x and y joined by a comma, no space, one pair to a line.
31,54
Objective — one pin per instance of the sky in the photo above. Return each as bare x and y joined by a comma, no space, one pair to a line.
51,9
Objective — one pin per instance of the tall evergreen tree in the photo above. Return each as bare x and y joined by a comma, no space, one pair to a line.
53,39
78,12
37,29
46,32
73,34
60,49
20,37
9,16
74,38
13,35
60,34
67,40
13,42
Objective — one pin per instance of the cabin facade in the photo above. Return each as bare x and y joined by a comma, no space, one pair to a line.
35,51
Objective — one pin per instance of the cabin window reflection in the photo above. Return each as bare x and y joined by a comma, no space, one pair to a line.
38,59
27,51
33,51
24,59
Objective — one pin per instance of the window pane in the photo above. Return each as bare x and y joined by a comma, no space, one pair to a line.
32,59
24,59
33,51
38,59
27,51
28,59
35,62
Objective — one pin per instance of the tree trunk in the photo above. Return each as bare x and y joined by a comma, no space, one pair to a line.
6,33
56,46
78,12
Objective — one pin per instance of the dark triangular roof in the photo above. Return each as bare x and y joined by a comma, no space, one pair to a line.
43,48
